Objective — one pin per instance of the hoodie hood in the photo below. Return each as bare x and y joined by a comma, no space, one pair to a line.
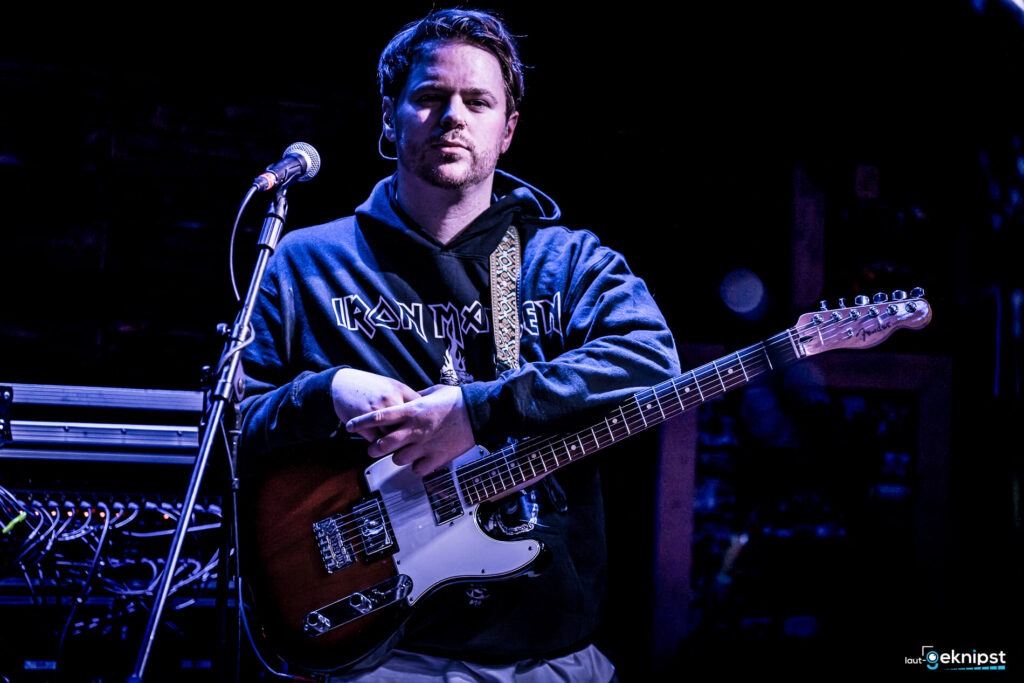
514,200
543,211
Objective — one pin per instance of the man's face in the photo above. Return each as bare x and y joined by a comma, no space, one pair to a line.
449,121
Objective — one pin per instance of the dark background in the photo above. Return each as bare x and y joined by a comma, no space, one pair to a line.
685,136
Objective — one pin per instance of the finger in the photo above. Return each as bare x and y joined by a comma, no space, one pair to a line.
378,448
420,461
370,434
408,393
374,420
393,443
427,464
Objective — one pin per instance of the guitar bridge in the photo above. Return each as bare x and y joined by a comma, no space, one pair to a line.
357,605
342,536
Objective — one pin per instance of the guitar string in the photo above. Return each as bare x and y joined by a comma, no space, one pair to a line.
703,377
472,476
685,391
644,409
617,423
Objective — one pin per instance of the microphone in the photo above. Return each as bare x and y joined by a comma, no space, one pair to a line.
300,162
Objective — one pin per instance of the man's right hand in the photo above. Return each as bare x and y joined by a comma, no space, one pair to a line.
357,392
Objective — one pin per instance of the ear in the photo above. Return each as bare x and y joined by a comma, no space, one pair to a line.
388,109
510,128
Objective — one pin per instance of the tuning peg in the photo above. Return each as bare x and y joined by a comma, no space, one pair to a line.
861,300
917,292
880,297
899,295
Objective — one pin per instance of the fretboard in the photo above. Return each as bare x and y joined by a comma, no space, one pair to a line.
528,460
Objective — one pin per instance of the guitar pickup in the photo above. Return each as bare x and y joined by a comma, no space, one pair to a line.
443,496
357,605
374,530
341,537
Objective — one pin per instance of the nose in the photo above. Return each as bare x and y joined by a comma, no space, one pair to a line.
454,115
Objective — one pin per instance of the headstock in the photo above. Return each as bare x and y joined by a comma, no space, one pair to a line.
867,323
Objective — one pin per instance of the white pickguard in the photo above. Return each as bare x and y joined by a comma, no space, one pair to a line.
433,555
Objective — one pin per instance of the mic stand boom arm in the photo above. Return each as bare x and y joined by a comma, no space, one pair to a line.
228,385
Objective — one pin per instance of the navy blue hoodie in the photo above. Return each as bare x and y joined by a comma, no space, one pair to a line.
375,292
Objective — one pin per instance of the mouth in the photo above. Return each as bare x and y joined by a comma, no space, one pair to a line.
448,144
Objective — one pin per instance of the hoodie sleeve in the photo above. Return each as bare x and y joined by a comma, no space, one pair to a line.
614,342
281,407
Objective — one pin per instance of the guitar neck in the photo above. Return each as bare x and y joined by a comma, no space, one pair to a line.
848,327
526,461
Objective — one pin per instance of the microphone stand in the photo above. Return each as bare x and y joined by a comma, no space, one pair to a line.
228,385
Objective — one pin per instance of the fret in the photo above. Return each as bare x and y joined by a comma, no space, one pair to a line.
622,420
498,475
489,482
672,398
537,459
529,461
696,383
730,380
648,407
686,389
706,384
578,446
561,446
543,460
546,464
718,373
659,400
739,360
512,465
601,443
639,421
794,343
781,355
485,486
559,459
471,492
499,480
554,457
614,424
764,360
686,399
661,393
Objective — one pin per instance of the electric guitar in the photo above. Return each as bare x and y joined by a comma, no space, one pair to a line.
342,555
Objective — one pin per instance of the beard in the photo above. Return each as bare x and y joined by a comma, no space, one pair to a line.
448,171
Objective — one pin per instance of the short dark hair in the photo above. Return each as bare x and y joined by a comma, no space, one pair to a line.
485,30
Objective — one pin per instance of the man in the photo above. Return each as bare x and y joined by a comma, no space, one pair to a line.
422,327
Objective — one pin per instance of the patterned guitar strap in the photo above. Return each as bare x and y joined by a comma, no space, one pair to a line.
505,261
